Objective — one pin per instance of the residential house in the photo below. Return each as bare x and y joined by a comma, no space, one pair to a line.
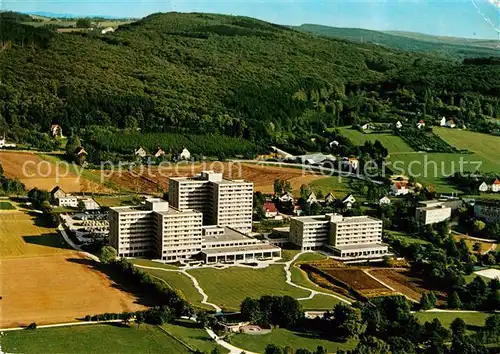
159,152
399,188
56,131
330,198
483,187
107,30
185,154
420,124
4,143
350,163
140,152
311,198
333,143
399,125
365,126
384,201
349,201
495,186
56,193
450,124
442,122
80,155
270,209
286,197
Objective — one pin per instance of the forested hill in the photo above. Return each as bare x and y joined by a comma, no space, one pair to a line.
449,47
202,73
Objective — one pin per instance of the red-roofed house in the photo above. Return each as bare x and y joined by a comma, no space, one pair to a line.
420,124
270,210
400,188
495,186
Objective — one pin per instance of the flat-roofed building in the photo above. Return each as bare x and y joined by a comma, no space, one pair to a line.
222,201
488,210
356,237
224,244
348,237
310,232
432,212
155,230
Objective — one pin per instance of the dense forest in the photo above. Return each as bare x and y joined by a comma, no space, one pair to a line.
227,76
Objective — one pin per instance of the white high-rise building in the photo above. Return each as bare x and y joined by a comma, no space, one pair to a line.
223,202
155,230
347,237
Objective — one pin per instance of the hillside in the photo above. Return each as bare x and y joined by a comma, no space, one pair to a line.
235,76
450,47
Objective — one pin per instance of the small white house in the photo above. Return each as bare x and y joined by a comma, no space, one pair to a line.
442,122
384,201
420,124
351,162
483,187
450,124
330,198
4,143
399,188
399,125
107,30
185,155
90,204
365,126
312,198
348,201
495,186
286,197
333,143
140,152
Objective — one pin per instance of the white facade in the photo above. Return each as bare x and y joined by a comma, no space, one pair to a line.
155,229
90,204
442,122
67,201
399,188
495,186
432,212
384,201
483,187
223,202
185,155
348,237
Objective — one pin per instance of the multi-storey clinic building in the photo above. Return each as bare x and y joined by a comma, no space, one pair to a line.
155,230
347,237
222,201
432,212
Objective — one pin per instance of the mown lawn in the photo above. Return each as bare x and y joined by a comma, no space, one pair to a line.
283,338
229,287
102,338
320,302
485,146
406,239
391,142
182,284
338,186
193,336
6,206
474,320
435,168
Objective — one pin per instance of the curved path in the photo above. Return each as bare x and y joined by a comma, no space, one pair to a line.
193,279
289,281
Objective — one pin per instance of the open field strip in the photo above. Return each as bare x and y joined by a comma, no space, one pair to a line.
391,142
95,338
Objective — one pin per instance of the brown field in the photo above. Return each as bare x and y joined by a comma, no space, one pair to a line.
484,247
359,281
156,180
400,281
33,171
42,281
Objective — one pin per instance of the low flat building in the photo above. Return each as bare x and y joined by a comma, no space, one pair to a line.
432,212
348,237
67,201
223,244
487,210
90,204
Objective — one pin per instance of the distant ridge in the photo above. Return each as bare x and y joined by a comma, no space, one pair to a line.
68,15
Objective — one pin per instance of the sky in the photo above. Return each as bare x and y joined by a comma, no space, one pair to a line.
459,18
